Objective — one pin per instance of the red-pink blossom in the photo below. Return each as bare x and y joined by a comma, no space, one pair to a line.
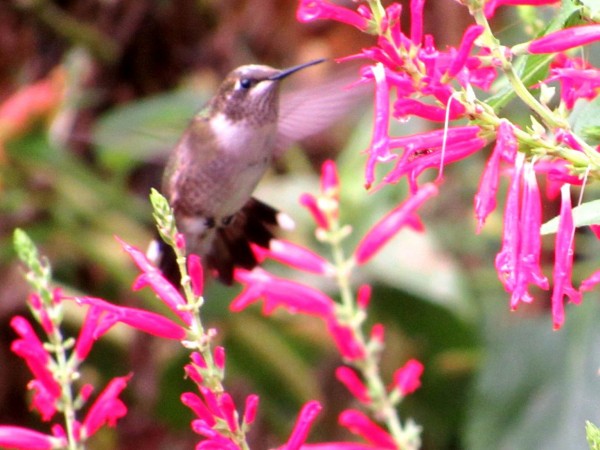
416,21
565,39
466,45
343,336
353,383
154,278
358,423
107,408
251,408
86,337
563,260
26,439
505,148
197,405
590,282
518,262
310,10
293,296
146,321
391,224
577,77
219,356
330,182
491,5
295,256
363,296
307,416
196,274
310,202
407,379
379,150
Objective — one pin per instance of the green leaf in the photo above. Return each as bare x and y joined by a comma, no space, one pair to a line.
585,120
592,433
145,129
534,68
585,214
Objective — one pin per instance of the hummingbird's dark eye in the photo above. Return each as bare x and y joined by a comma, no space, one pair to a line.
245,83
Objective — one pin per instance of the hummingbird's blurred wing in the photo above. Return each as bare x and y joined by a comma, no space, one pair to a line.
309,110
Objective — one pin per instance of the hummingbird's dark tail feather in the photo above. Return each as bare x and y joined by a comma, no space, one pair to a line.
231,248
230,245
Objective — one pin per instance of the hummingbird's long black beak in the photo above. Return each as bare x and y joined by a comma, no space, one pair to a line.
285,72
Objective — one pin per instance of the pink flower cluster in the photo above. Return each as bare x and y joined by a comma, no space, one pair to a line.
298,298
51,384
436,85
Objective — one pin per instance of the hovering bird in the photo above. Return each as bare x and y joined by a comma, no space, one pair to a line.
225,151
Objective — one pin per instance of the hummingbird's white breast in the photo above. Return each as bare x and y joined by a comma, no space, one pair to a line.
246,152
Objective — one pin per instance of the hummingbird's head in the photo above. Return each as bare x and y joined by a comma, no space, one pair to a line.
252,92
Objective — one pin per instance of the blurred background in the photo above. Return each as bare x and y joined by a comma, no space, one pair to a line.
93,93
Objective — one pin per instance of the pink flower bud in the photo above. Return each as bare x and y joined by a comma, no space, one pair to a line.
196,274
307,416
107,408
251,409
353,383
563,260
219,355
391,224
24,438
566,39
363,296
407,379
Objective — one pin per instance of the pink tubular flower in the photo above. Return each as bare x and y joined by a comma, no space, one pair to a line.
26,439
485,199
466,45
154,278
577,78
344,338
518,262
251,408
563,264
416,21
391,224
307,416
310,10
294,297
107,408
407,379
353,383
358,423
197,405
146,321
196,274
86,337
380,148
295,256
590,282
310,202
562,40
45,388
491,5
330,182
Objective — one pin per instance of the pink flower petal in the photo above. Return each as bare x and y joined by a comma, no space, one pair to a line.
391,224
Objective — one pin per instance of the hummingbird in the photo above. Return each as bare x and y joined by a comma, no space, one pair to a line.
228,146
